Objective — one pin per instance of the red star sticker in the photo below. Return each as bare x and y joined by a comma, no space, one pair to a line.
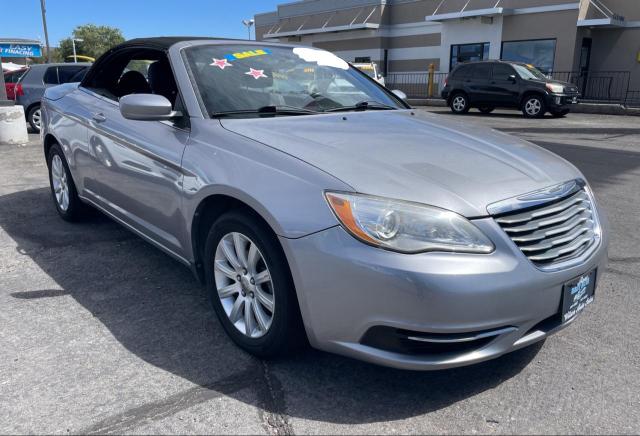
221,63
256,74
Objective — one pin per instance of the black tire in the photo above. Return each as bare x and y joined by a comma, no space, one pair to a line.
459,103
560,114
76,209
486,109
33,117
286,332
533,106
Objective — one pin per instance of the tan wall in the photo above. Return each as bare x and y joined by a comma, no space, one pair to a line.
629,9
617,50
429,40
420,65
515,4
560,26
412,12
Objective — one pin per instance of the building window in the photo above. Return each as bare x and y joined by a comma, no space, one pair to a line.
363,60
468,52
539,53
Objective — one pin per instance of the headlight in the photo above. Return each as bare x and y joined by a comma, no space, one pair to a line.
406,227
556,89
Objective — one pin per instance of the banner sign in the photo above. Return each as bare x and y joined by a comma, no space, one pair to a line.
20,51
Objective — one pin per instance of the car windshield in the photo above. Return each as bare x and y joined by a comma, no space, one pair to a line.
249,80
528,72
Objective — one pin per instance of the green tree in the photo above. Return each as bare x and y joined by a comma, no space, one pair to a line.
95,41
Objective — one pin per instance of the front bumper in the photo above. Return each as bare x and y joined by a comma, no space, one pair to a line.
556,101
347,290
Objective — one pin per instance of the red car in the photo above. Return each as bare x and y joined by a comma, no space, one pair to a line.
11,79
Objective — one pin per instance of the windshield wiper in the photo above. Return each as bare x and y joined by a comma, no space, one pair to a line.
267,110
363,106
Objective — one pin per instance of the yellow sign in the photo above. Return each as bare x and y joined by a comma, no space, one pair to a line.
247,54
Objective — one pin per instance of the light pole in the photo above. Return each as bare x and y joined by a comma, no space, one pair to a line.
73,42
248,24
43,9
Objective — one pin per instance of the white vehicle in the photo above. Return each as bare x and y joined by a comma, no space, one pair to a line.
371,70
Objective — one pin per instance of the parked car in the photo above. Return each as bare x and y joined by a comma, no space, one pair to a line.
343,218
487,85
371,70
11,79
37,79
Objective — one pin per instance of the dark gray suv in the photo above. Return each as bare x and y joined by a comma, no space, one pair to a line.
40,77
487,85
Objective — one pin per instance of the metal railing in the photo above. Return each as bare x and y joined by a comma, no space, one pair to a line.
594,86
416,85
598,86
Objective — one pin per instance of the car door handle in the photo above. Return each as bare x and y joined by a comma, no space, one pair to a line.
99,117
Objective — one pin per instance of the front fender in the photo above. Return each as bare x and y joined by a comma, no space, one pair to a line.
287,192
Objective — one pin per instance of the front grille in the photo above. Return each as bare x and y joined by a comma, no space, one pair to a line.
571,90
553,232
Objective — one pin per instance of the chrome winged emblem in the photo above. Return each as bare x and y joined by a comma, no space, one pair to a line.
537,197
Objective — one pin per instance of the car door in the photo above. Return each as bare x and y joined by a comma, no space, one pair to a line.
137,175
478,83
504,85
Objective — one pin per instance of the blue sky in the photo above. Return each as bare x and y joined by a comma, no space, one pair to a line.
135,18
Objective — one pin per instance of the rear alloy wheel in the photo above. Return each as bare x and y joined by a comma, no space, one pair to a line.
35,118
250,286
63,189
486,109
459,104
533,107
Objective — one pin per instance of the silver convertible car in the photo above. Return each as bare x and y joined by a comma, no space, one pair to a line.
318,207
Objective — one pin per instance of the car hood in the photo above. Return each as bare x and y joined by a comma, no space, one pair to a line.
424,158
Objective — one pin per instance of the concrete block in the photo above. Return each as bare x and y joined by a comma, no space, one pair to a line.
13,126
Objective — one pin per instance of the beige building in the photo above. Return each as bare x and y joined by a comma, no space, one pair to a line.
404,36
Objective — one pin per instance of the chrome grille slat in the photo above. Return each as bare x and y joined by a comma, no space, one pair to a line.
548,221
559,207
555,231
584,218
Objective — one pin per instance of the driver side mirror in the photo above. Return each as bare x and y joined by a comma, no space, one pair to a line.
147,107
512,78
401,95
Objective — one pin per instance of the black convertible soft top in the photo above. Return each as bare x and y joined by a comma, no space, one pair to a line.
164,42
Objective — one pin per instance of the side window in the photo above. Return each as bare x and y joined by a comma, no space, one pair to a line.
51,76
502,71
139,71
66,73
482,71
462,72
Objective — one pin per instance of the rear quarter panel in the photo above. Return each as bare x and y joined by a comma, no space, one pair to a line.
65,111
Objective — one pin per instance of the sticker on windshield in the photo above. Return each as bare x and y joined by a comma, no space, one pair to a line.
321,57
247,54
256,74
221,63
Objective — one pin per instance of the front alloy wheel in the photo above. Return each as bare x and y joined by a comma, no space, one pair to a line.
250,285
533,107
244,285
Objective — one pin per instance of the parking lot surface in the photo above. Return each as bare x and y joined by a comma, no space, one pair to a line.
102,333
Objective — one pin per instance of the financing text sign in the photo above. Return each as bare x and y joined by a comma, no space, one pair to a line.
20,51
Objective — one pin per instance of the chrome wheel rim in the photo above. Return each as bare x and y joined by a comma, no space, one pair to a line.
37,117
60,182
533,106
459,103
244,285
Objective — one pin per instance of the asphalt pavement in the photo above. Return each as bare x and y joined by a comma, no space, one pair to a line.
102,333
